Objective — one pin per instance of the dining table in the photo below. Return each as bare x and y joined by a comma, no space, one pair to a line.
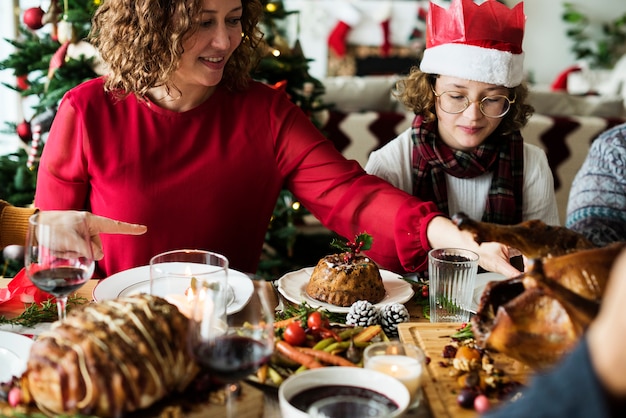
261,401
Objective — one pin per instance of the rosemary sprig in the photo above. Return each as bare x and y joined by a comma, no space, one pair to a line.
304,309
46,311
464,332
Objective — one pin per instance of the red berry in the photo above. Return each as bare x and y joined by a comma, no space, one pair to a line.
481,404
14,397
466,398
33,18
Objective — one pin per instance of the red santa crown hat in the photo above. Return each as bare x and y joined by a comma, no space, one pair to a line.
476,42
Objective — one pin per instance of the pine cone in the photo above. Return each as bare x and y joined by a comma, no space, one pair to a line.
362,313
391,316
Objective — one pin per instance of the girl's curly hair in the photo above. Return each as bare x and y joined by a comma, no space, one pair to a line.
416,93
141,41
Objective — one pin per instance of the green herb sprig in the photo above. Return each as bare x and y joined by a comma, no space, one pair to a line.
463,332
304,309
46,311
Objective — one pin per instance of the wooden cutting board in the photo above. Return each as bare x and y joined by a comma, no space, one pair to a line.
249,404
440,388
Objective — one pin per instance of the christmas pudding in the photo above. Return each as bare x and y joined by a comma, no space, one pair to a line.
344,278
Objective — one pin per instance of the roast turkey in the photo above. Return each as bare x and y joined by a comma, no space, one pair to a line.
540,315
110,358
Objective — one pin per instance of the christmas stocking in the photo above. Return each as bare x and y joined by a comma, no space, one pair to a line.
385,48
384,17
348,17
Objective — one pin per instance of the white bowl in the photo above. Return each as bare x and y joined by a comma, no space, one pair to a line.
342,376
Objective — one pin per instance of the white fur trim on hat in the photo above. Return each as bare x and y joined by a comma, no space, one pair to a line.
474,63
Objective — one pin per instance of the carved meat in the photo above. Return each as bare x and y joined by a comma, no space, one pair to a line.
540,315
110,358
533,238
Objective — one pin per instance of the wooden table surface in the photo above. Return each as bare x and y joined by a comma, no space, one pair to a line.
248,405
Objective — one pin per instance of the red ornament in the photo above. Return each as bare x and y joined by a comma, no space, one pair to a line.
22,82
25,132
33,18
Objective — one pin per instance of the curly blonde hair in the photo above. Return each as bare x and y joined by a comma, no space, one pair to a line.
141,41
416,93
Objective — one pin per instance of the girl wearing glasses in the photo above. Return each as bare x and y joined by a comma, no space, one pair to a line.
464,150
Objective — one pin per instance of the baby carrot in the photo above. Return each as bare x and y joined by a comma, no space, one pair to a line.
284,322
292,353
327,357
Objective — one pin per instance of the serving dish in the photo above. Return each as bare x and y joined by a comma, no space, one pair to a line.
137,280
354,377
292,286
14,351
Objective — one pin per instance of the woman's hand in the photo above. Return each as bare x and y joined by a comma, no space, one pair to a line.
493,256
95,224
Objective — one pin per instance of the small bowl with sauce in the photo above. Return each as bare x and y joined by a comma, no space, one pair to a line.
297,393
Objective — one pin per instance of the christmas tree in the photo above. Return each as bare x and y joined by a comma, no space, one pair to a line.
51,56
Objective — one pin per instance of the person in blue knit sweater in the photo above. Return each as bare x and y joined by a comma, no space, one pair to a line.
597,202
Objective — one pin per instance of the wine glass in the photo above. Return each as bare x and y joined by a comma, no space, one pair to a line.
231,347
58,257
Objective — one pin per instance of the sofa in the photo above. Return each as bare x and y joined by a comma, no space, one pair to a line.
365,116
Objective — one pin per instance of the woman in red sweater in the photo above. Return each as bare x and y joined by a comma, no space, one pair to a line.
178,137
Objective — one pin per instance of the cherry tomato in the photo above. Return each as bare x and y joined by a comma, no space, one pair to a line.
315,321
294,334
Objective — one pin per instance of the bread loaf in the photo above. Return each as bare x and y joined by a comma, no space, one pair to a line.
110,358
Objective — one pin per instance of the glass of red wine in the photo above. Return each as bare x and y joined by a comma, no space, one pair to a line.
58,257
232,347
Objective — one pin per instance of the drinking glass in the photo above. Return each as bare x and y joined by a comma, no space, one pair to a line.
348,406
173,275
451,280
231,347
58,257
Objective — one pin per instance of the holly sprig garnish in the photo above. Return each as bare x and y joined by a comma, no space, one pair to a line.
350,249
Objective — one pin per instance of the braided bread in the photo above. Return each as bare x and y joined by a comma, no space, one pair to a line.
110,358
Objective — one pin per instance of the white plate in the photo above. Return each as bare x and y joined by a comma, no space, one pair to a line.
14,351
481,282
292,286
137,280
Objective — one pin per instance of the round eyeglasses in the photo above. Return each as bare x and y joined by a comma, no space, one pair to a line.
495,106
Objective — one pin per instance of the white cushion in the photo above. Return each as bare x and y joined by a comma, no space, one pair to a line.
563,104
354,94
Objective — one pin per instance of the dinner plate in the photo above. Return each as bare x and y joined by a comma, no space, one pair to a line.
292,286
481,282
14,350
137,280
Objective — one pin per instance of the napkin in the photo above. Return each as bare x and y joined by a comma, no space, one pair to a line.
21,290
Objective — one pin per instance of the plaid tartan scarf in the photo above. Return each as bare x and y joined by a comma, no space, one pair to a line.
502,155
